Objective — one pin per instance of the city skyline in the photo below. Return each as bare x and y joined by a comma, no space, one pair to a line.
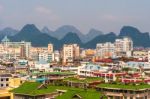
74,49
99,14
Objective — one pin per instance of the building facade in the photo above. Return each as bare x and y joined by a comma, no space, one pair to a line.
121,47
14,49
70,52
105,50
50,48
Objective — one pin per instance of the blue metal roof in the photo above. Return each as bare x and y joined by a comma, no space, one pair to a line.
92,67
137,64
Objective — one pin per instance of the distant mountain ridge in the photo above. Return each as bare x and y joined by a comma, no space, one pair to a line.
32,34
139,38
64,30
91,35
47,31
8,31
110,37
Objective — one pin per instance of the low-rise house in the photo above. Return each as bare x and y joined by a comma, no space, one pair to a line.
109,77
5,94
34,90
49,77
133,64
9,81
88,70
140,54
67,68
141,66
2,69
21,69
42,65
81,82
123,91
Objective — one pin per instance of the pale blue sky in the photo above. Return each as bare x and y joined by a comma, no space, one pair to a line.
105,15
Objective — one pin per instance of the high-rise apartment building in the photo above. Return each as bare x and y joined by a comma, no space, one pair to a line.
50,48
70,52
105,50
124,45
121,47
14,49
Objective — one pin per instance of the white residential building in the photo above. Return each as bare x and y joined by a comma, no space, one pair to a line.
70,52
14,49
121,47
89,69
105,50
56,56
45,56
124,46
50,48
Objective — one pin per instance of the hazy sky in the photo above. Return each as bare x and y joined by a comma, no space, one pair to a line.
105,15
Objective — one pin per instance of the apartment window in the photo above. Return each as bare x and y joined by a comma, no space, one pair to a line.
2,85
7,79
7,85
2,79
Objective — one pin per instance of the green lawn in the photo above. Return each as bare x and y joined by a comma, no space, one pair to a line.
123,86
31,88
53,73
88,79
89,94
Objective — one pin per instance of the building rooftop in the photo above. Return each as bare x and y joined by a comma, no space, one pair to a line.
124,86
92,67
53,73
82,80
32,89
133,64
5,75
89,94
